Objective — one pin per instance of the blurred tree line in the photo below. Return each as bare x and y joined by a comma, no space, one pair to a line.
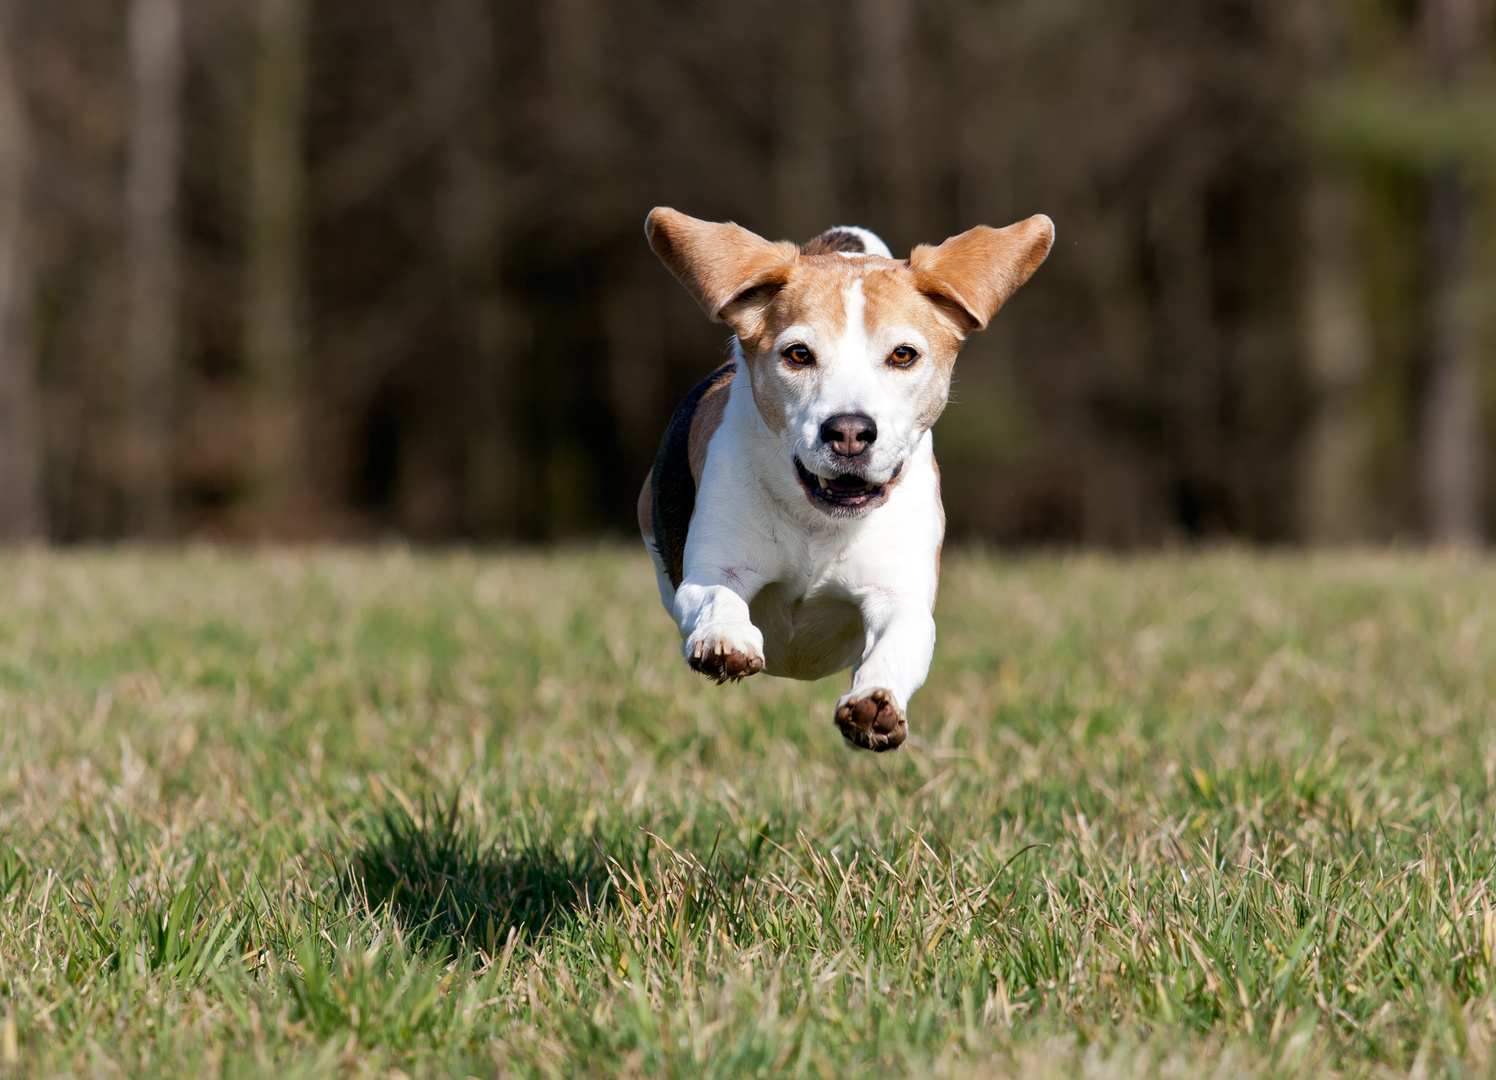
307,268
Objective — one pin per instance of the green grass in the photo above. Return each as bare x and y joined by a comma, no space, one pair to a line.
382,814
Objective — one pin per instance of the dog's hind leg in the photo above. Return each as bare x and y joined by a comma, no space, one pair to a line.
646,530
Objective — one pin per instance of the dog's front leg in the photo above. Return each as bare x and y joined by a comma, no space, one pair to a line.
900,643
711,609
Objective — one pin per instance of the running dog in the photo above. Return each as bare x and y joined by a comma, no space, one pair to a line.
793,513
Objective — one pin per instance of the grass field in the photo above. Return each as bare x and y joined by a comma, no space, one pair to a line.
384,814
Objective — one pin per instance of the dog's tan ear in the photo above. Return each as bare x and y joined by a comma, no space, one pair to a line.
971,275
717,262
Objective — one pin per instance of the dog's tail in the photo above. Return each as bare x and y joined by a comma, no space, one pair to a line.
846,240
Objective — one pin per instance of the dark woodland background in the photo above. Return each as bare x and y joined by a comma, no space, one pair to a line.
348,268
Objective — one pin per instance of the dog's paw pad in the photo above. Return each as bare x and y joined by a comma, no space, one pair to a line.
872,721
724,662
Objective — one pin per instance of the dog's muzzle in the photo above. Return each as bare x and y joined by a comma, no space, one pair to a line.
844,494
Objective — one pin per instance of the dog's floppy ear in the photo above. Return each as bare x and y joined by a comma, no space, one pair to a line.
971,275
717,262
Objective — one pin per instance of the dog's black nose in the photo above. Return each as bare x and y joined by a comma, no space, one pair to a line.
849,434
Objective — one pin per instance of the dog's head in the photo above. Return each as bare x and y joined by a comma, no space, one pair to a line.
849,351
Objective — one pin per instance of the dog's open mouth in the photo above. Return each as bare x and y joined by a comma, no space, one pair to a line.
845,493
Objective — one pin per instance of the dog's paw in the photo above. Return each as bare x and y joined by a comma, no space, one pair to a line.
872,720
726,652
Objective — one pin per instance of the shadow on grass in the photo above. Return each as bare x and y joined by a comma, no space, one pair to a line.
448,889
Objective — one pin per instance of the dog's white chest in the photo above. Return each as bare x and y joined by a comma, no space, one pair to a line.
807,636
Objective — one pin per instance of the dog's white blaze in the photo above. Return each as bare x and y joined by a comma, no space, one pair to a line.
848,386
850,383
855,302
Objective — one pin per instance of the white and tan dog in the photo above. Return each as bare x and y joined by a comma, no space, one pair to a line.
794,511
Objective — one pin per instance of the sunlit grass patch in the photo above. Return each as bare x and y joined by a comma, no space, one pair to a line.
325,813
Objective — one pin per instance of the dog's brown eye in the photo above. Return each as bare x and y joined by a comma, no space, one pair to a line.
798,354
903,356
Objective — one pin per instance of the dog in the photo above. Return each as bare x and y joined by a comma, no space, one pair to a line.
793,513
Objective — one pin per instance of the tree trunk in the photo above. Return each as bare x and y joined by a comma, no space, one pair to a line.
274,334
151,196
881,86
1334,501
1452,439
22,517
471,212
1334,470
805,121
